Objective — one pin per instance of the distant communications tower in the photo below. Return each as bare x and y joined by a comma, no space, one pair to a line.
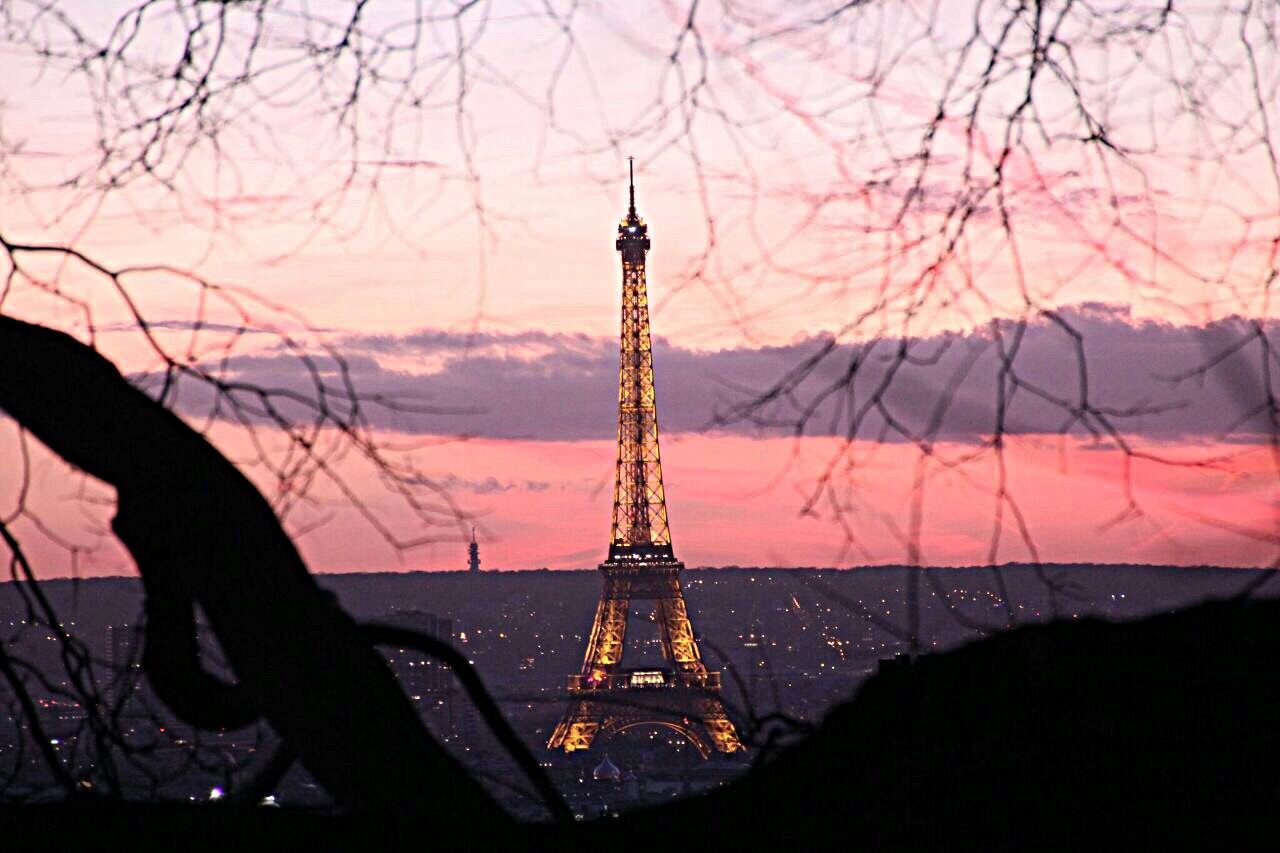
473,554
606,698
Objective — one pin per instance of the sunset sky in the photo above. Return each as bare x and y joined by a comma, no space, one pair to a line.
452,238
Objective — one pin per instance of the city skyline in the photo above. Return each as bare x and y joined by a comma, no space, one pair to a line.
473,278
330,484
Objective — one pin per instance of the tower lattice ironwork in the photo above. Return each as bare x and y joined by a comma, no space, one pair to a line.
606,697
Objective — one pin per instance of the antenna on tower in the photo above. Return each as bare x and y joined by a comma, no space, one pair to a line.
631,172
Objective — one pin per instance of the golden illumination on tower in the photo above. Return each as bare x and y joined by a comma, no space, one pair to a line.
639,505
641,564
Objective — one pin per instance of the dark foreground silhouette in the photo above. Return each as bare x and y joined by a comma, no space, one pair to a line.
1092,733
1160,729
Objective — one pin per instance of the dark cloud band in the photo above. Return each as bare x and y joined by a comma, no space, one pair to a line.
543,386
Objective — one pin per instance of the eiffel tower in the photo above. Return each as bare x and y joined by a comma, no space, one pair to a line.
606,698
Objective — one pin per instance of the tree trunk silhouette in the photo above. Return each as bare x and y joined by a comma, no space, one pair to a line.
201,533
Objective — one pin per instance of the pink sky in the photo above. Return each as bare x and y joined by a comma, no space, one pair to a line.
504,229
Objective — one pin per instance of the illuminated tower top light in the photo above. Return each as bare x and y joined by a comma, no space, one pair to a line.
633,234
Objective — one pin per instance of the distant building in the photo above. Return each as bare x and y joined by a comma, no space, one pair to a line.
606,771
900,662
120,677
427,681
473,554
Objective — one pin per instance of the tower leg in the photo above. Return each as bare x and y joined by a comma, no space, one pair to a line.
576,729
677,632
723,734
608,636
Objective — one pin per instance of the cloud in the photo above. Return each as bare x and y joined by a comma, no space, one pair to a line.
403,164
488,486
189,326
545,386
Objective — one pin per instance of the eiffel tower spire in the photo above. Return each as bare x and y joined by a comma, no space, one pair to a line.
631,185
605,697
639,503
